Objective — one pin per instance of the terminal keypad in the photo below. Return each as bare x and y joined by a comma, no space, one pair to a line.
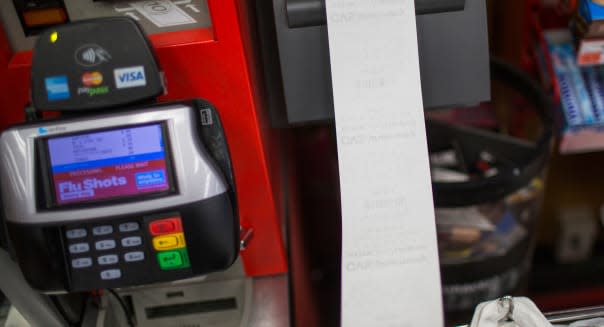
105,248
117,252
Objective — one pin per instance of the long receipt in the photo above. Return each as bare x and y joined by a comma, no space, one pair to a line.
390,272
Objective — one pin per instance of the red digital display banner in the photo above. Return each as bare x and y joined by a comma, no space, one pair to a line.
111,181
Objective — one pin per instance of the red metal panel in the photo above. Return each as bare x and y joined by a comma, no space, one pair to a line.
209,64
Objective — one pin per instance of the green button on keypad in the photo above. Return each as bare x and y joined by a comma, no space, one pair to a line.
175,259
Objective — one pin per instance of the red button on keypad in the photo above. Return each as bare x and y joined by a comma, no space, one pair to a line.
165,226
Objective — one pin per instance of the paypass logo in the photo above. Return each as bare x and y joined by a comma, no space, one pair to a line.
92,84
130,77
92,78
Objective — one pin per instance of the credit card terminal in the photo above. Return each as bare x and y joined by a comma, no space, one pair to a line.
118,199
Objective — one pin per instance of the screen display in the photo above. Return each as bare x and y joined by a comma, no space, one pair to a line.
108,164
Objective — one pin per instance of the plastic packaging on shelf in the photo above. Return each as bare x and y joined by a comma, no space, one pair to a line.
581,93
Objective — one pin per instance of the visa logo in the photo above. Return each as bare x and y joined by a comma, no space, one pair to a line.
130,77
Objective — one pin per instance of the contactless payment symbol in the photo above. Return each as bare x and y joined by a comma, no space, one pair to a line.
92,78
90,55
57,88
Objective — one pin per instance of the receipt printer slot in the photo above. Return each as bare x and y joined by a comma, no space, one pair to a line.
302,13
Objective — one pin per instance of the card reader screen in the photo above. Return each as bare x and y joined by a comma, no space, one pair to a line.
109,164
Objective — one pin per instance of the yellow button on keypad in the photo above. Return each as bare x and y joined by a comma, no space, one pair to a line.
169,242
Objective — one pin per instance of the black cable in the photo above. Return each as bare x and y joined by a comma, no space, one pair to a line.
62,312
31,113
3,235
83,309
123,305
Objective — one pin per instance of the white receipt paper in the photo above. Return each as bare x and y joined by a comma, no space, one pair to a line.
390,272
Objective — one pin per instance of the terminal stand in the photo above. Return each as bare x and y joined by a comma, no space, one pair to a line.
259,301
35,307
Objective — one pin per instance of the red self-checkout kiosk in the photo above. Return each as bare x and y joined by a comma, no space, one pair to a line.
202,54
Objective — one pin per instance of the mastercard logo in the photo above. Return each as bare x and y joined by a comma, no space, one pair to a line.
92,79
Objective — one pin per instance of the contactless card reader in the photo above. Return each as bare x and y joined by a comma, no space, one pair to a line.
117,198
94,64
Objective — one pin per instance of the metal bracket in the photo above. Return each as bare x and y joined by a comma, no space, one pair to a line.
245,235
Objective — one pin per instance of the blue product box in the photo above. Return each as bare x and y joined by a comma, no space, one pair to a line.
591,11
581,92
